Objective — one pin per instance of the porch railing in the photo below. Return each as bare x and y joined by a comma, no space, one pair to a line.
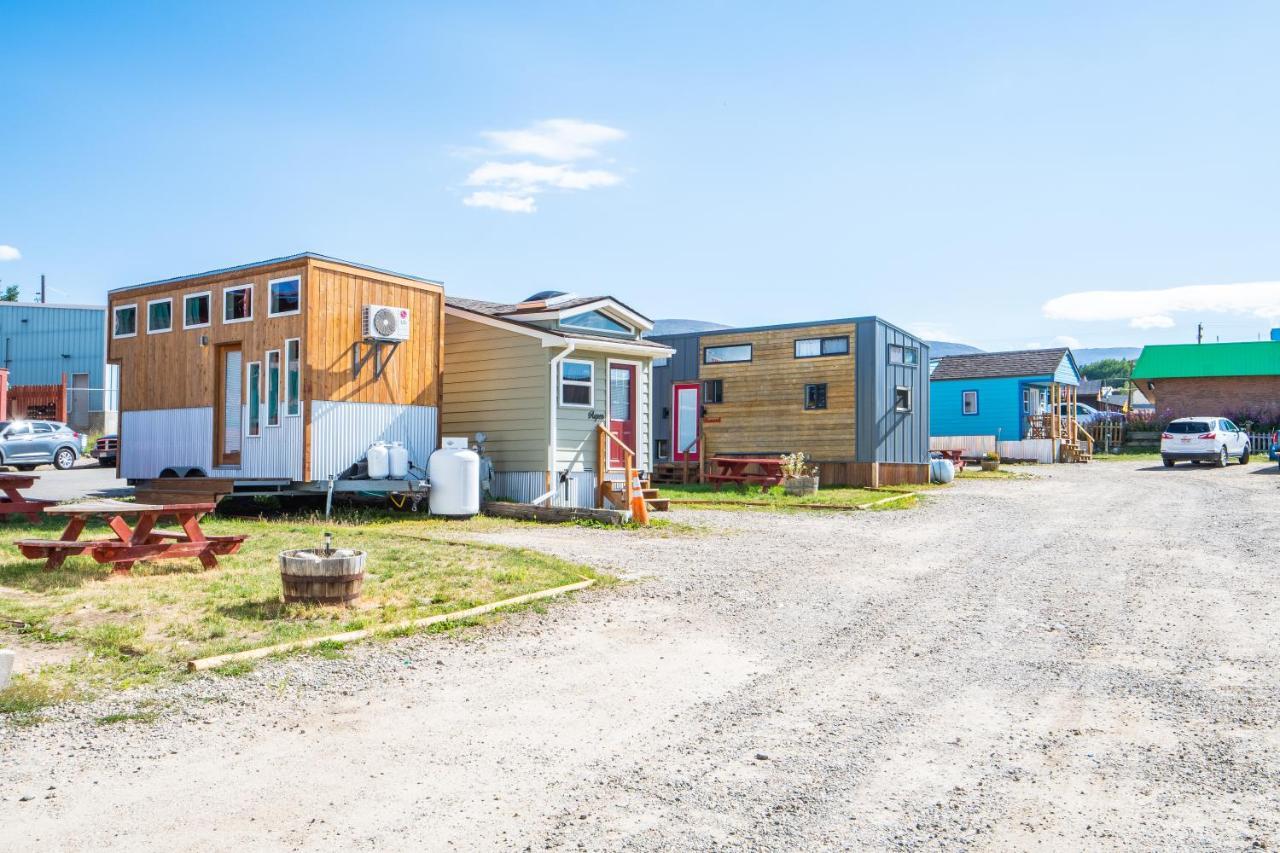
606,439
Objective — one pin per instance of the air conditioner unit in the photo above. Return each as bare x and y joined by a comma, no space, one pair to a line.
385,323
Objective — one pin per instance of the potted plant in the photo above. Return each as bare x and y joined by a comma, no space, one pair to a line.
798,477
990,461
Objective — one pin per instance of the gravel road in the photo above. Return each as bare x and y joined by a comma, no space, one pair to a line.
1087,659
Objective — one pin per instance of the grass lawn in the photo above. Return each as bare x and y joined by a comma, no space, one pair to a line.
741,497
98,632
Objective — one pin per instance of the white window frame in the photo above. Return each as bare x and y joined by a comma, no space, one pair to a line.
208,294
150,302
274,281
627,329
591,385
248,400
229,289
297,342
910,402
266,388
115,311
964,396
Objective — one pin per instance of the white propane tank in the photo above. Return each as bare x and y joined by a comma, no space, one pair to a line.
455,481
941,471
398,461
378,459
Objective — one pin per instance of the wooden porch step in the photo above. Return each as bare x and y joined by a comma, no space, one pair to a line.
658,504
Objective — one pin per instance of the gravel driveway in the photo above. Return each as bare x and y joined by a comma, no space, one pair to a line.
1082,660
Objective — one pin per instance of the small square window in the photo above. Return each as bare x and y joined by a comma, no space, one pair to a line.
902,399
577,384
815,396
713,391
285,296
159,316
125,322
969,402
195,310
237,304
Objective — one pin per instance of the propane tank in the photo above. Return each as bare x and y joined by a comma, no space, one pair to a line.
378,458
398,461
455,480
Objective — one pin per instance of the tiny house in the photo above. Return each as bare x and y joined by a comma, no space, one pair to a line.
275,374
850,394
1020,404
543,380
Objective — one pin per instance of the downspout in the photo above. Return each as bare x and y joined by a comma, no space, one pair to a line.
551,425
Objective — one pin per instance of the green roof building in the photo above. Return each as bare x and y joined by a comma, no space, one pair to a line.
1236,380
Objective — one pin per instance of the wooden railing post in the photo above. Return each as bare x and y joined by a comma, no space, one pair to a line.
602,459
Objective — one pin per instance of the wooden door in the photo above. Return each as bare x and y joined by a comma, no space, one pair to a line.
622,410
686,405
228,406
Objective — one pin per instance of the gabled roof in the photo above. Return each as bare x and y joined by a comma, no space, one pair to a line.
499,314
989,365
556,308
1246,358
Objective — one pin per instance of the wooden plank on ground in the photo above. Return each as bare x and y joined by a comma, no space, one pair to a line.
553,514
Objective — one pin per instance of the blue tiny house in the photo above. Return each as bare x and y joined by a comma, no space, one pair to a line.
44,344
1020,404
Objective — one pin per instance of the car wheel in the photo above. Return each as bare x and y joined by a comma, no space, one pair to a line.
1168,463
66,458
1244,457
25,467
1223,459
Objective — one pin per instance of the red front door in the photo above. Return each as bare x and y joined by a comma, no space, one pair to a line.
622,411
686,403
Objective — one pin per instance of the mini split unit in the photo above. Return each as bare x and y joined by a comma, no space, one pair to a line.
385,323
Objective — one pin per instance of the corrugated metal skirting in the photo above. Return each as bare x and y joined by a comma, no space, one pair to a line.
524,486
156,439
342,432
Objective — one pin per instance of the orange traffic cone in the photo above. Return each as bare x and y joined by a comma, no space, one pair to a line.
639,509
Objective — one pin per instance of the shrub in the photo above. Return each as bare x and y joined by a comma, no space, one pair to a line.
794,465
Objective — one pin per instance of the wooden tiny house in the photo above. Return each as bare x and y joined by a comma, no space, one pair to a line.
266,373
851,394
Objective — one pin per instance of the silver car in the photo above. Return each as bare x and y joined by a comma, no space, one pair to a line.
26,444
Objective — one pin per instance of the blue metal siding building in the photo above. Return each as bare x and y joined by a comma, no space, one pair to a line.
1004,391
39,344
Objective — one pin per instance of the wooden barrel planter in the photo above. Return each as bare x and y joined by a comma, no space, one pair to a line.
322,576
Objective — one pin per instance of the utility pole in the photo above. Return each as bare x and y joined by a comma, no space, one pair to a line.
43,298
1199,326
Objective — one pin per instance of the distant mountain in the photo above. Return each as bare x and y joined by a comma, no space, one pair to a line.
684,327
938,349
1088,355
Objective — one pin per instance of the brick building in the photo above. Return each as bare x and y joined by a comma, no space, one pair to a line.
1236,380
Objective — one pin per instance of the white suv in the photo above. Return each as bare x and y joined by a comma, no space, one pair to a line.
1203,440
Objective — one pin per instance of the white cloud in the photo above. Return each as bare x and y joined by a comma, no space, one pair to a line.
562,139
501,201
1155,309
533,178
1067,341
9,253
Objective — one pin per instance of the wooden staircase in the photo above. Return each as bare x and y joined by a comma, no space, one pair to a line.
615,495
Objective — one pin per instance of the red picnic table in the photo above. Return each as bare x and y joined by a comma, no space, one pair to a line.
954,455
734,469
13,502
142,541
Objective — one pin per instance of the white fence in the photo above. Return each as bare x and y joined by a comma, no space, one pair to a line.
1038,449
972,446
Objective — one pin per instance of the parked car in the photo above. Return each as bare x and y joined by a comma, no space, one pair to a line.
1087,415
26,444
1199,440
105,450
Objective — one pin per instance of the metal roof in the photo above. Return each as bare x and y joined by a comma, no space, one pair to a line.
271,262
1245,358
982,365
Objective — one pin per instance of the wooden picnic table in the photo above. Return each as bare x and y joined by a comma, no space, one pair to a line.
141,541
955,455
735,469
14,503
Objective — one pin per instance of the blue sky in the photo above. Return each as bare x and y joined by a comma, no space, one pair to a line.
960,169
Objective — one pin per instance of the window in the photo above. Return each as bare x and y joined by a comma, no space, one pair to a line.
726,354
577,384
597,321
293,378
255,399
713,391
903,355
41,427
815,396
237,304
159,316
1188,427
18,429
968,402
661,362
195,310
662,448
902,399
125,322
815,347
273,388
285,296
1026,401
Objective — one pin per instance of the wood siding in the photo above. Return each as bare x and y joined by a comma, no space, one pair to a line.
763,409
497,382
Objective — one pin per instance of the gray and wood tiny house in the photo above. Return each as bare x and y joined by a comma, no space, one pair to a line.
851,394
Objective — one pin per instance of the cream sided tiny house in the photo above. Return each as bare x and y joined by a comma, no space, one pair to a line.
558,386
274,376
